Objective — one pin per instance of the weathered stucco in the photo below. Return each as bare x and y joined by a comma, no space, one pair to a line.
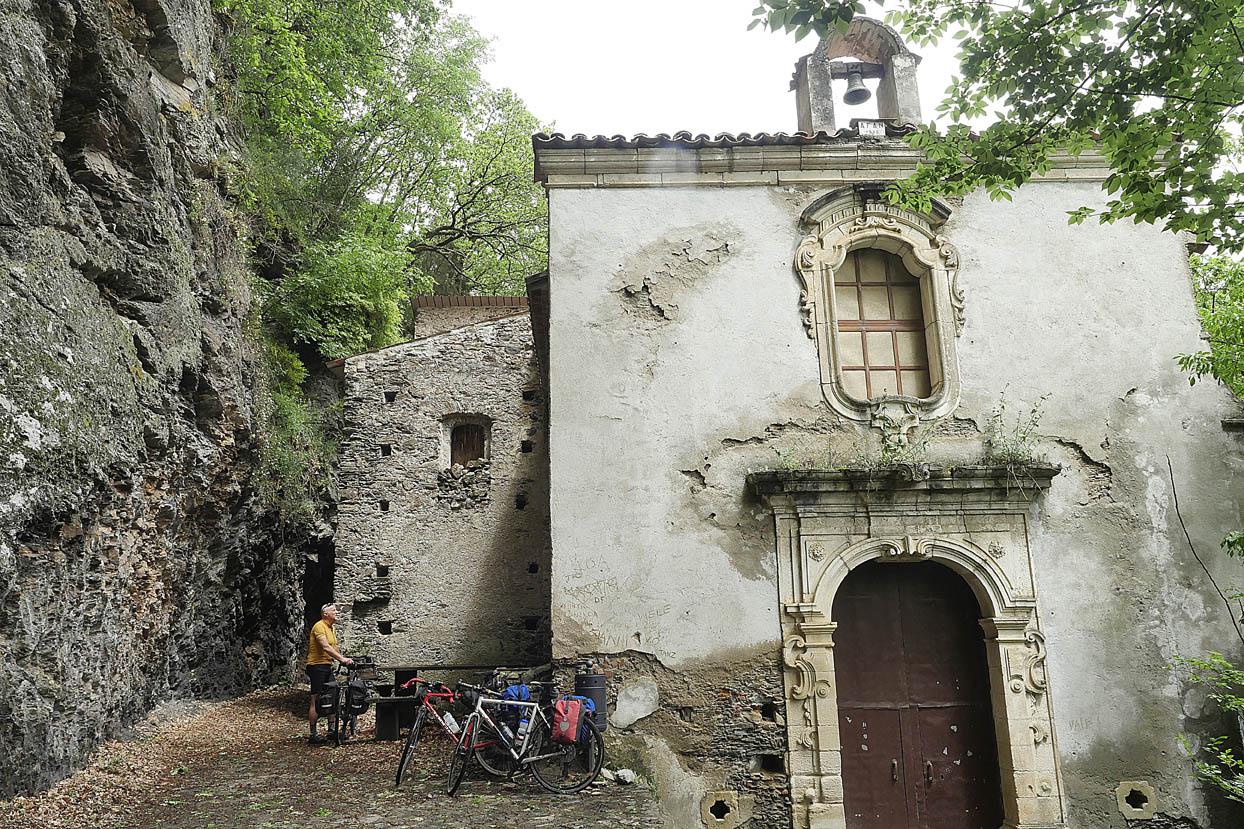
456,567
654,432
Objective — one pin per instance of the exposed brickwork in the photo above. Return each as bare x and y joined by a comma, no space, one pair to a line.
432,320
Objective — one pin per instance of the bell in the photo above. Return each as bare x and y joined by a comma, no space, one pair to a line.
856,92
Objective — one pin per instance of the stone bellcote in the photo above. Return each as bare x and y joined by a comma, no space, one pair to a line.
877,52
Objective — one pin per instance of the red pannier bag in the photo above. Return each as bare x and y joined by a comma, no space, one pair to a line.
567,716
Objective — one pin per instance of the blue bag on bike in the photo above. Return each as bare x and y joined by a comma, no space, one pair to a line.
517,693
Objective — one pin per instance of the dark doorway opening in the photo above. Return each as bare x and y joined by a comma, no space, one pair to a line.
317,576
914,709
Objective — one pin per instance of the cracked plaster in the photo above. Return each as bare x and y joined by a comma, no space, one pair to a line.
1088,317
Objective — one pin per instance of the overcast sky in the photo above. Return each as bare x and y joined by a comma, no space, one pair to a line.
656,65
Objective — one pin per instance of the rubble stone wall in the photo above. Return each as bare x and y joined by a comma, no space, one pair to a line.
438,564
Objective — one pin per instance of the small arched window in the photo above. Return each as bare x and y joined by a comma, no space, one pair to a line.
884,341
465,438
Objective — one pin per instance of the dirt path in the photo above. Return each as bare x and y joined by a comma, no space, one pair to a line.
246,763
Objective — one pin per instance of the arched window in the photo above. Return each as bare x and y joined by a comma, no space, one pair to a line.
883,339
880,297
465,438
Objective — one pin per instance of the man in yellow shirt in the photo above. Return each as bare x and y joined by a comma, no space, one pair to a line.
321,651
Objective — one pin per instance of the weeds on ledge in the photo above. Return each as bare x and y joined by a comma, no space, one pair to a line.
1013,445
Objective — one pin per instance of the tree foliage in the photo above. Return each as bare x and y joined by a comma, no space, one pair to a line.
378,164
1219,285
1157,87
371,137
1217,762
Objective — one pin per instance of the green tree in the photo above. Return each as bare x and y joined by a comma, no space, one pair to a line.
1156,86
1219,285
378,164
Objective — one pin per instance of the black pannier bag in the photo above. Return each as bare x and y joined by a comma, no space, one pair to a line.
357,697
326,700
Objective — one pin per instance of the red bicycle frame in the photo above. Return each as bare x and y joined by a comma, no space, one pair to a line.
436,692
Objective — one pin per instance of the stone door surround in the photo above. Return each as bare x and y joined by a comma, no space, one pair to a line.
973,520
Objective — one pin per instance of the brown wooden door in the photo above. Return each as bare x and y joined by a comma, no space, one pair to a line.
918,749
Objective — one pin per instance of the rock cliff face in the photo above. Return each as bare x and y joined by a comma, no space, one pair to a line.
134,560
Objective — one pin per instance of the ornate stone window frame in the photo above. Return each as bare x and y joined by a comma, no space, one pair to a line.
856,217
973,520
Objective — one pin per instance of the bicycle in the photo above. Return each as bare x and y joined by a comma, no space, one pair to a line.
426,696
560,768
350,699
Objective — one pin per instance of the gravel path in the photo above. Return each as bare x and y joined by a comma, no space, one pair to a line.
246,763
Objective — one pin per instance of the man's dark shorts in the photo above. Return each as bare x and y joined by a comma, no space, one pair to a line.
320,676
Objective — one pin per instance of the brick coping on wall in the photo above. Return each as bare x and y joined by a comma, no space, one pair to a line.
464,301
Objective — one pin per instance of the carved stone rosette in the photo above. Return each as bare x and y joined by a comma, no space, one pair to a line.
857,217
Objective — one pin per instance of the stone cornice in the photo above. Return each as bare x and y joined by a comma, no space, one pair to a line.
758,165
1004,480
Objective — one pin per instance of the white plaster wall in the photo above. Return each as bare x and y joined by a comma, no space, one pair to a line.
650,558
634,401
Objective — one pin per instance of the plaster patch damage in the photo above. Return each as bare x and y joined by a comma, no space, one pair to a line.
741,528
711,725
1098,478
653,281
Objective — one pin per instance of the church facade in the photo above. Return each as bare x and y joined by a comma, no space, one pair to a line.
876,518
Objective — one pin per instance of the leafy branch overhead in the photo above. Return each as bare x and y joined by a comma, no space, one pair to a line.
371,135
1157,87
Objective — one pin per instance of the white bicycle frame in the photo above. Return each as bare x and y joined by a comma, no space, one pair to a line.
533,712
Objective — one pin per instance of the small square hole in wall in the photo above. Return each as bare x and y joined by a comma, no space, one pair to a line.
386,449
767,764
533,567
520,501
531,622
384,505
382,571
385,628
529,395
526,446
390,396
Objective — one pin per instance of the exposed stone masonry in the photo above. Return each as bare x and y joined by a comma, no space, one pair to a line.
464,549
464,486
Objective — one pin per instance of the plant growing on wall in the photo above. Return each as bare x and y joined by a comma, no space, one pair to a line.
1217,762
1008,443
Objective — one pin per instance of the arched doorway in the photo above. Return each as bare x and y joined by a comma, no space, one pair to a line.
914,712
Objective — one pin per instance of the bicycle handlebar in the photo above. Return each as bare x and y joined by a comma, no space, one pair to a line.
432,684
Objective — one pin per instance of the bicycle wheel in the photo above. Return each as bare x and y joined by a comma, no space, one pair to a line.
491,753
459,760
566,768
342,719
408,748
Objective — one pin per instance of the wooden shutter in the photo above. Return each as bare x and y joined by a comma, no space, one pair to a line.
466,443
